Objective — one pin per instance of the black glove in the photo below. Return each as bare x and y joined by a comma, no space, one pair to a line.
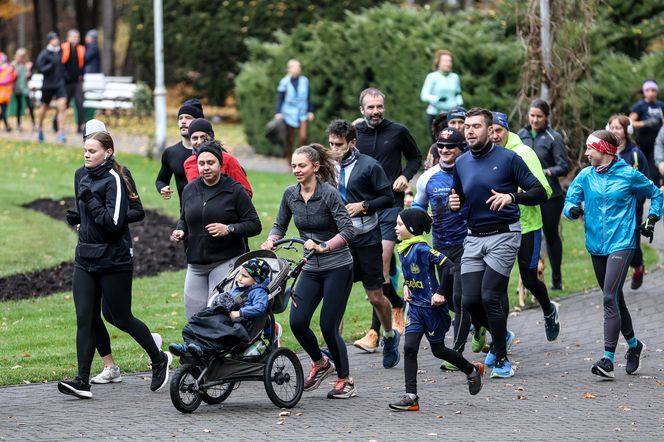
73,217
442,99
85,194
648,228
575,212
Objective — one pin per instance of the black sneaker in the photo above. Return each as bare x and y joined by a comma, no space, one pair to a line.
552,323
160,372
76,387
633,357
406,404
475,379
604,369
178,349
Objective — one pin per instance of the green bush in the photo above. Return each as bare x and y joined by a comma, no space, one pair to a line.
390,48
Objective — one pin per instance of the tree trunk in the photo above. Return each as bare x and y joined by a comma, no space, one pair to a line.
82,16
45,19
108,24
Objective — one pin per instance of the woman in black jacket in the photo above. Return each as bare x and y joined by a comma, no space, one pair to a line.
217,218
550,149
104,263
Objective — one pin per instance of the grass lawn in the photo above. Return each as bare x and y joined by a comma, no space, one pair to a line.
38,335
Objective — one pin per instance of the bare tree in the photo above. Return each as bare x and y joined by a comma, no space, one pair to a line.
108,24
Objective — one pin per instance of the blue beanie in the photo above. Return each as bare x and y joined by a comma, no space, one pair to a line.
500,119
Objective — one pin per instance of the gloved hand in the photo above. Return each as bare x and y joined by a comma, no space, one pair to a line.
575,212
648,228
650,122
85,194
442,99
73,217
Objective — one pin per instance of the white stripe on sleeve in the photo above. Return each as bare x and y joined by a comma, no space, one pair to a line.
118,196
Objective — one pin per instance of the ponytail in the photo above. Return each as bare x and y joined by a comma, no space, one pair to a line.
316,153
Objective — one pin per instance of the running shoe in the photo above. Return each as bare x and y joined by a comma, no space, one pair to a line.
76,387
479,339
391,353
552,323
475,379
637,277
158,341
343,389
448,366
604,369
61,138
398,319
633,357
503,369
107,375
509,339
195,349
369,342
40,136
490,359
160,372
317,373
405,403
178,349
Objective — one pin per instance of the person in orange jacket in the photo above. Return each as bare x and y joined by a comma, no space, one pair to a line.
7,79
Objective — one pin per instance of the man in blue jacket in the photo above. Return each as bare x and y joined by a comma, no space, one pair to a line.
487,179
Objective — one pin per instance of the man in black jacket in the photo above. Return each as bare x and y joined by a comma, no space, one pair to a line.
53,86
365,189
173,157
386,141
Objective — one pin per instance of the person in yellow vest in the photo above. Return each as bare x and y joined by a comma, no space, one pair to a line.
73,60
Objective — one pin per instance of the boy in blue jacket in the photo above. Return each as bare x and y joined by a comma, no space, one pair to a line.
223,323
428,312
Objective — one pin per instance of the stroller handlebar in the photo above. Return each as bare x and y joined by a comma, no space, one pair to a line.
287,243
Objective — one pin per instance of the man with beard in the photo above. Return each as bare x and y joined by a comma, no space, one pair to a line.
487,180
173,157
386,141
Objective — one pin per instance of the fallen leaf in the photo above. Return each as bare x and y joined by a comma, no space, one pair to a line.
206,430
17,366
26,355
432,434
440,417
589,396
284,413
457,412
626,409
518,389
281,422
299,413
521,398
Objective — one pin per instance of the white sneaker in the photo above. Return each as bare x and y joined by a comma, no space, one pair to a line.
108,374
157,340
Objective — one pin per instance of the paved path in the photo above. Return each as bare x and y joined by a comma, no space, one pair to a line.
552,396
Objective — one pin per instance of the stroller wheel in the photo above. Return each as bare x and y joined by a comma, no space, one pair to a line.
185,394
284,379
218,393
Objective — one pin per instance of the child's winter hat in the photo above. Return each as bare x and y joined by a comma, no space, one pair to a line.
258,269
417,221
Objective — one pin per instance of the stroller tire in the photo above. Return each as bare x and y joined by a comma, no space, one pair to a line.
219,393
284,378
185,394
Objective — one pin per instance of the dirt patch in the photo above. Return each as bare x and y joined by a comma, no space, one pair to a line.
153,254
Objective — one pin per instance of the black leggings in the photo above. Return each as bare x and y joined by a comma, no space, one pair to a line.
333,288
19,107
528,257
485,298
610,272
116,287
3,115
438,349
551,212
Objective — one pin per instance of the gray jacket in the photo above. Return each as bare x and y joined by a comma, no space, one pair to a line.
659,147
321,218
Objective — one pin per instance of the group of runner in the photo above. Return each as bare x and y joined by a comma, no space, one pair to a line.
483,195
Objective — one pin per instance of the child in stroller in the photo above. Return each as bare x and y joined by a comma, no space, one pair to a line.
226,320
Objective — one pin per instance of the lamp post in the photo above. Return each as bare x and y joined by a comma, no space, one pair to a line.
159,88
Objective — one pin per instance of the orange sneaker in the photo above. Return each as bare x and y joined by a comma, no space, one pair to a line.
369,342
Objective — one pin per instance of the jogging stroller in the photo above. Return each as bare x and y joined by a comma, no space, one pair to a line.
212,377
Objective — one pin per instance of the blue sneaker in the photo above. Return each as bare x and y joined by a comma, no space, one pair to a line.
391,353
40,136
490,360
509,338
503,369
61,138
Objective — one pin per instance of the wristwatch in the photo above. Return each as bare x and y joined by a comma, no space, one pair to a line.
323,245
365,206
231,229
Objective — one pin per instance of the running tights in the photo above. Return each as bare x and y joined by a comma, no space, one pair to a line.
333,288
551,212
485,298
528,257
610,272
438,349
116,287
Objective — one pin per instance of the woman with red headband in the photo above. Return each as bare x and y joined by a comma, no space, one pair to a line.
608,190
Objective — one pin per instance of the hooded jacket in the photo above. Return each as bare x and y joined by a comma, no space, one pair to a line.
49,64
226,202
531,216
386,143
550,149
104,242
609,205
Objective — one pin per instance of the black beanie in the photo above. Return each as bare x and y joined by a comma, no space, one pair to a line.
258,269
417,221
192,107
213,147
201,125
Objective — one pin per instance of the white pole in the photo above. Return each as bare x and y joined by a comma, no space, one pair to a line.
545,33
159,88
